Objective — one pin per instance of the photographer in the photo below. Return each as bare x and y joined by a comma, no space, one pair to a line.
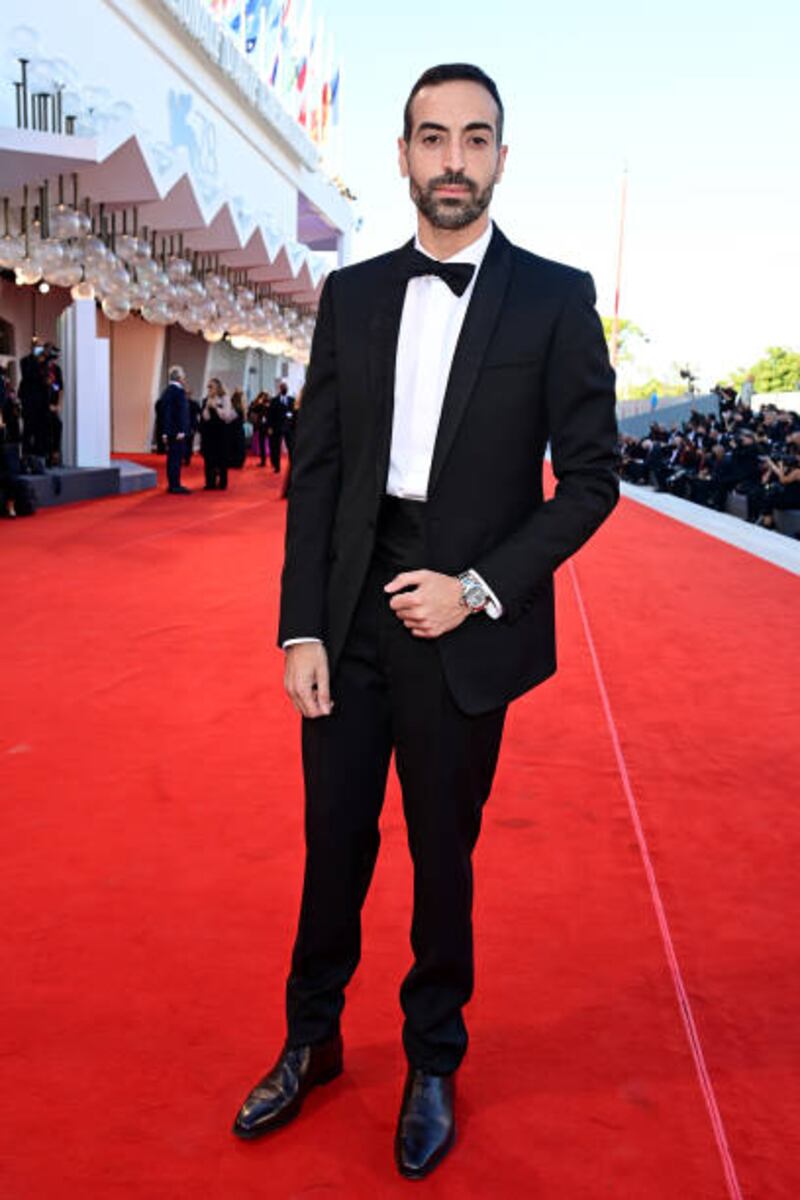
10,409
781,488
747,470
16,495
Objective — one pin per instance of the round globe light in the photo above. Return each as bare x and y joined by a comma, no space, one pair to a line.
116,308
82,291
64,222
28,270
154,312
65,276
12,250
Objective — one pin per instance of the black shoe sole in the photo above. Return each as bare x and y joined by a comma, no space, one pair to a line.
289,1113
431,1164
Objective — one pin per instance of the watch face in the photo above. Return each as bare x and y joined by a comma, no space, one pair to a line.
475,597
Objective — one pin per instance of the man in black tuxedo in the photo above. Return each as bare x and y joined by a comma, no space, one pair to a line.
176,423
279,417
417,594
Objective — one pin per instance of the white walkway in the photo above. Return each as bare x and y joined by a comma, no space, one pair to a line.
763,543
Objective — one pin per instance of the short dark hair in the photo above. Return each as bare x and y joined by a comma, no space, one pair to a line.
450,73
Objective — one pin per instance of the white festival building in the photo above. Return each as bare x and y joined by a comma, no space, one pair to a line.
161,203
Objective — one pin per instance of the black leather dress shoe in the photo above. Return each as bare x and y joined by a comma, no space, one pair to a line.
278,1098
427,1128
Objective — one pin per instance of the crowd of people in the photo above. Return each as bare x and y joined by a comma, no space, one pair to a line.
226,429
712,455
30,425
705,459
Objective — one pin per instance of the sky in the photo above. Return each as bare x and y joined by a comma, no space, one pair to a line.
700,101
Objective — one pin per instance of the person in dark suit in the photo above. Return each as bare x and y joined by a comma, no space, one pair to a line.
11,409
55,391
258,413
237,441
417,589
280,414
174,408
35,400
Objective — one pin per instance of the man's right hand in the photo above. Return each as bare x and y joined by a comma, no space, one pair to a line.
306,679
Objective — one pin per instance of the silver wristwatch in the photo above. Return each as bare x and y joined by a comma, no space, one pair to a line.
474,596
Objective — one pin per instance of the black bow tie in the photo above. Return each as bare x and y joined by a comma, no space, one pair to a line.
455,274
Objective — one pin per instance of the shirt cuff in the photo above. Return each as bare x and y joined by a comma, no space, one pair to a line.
301,641
494,608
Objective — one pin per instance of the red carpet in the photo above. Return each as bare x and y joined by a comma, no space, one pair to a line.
151,872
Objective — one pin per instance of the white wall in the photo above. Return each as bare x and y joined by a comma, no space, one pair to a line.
190,351
87,400
141,72
137,351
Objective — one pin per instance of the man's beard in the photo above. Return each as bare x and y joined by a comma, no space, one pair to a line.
450,212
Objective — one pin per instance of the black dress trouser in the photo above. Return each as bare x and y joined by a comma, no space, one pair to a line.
275,441
390,694
174,462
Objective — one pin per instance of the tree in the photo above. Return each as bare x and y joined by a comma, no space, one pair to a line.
627,334
777,371
643,391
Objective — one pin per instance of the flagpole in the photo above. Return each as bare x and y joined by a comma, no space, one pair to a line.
620,245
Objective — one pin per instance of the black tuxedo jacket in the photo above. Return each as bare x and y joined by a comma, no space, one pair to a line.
175,413
530,366
279,413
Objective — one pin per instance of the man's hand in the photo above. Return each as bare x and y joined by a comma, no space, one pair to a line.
434,606
306,679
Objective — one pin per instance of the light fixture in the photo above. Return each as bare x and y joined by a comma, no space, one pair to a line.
82,291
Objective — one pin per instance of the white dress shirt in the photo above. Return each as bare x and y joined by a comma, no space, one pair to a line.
429,327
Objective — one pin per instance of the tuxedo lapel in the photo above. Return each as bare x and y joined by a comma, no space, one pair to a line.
383,332
479,324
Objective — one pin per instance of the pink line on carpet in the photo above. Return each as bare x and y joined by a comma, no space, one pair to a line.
684,1005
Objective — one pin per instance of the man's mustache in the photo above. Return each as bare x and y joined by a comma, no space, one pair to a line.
453,179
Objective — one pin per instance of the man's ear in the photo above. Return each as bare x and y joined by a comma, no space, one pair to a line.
402,156
502,154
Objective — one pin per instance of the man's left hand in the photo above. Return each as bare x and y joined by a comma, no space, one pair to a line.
434,606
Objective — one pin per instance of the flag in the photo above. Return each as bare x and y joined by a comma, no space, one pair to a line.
314,83
294,65
282,77
335,96
302,47
238,20
252,23
270,45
